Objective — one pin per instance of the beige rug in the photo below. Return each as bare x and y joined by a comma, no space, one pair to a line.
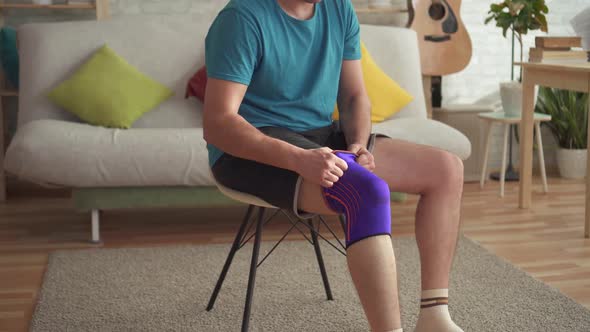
167,289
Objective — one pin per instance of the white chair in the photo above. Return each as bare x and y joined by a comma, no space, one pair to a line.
500,117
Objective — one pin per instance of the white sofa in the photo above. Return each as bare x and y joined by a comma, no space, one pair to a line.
165,147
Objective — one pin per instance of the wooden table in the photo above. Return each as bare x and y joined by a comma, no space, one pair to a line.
3,127
562,74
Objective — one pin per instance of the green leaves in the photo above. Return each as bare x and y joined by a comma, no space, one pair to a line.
520,15
569,116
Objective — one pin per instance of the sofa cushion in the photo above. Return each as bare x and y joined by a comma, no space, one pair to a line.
387,97
81,155
427,132
107,91
84,156
168,48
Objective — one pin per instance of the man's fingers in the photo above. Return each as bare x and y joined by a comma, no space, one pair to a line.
327,149
365,156
331,177
340,163
363,159
327,184
337,171
355,148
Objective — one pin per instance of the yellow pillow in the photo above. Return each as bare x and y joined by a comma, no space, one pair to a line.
387,97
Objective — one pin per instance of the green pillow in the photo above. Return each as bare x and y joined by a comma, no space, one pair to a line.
107,91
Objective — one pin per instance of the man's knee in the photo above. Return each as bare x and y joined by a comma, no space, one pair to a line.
450,171
363,198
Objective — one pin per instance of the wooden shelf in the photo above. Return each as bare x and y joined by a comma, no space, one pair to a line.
384,10
8,93
90,5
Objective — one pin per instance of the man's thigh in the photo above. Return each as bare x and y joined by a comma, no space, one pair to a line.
413,168
311,199
277,186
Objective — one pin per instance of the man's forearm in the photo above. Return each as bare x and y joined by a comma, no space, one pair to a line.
234,135
355,120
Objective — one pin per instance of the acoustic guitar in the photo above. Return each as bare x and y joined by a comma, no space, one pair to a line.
445,46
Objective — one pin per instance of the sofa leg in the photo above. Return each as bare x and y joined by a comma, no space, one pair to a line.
95,215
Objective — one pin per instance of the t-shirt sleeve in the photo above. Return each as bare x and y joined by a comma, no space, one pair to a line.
232,48
352,43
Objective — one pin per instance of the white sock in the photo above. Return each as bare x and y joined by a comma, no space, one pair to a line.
434,312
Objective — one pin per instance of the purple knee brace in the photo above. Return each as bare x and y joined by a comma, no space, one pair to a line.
363,198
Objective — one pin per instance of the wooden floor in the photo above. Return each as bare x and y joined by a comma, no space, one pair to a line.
546,241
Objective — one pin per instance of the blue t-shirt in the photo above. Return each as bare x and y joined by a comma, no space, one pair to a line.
292,67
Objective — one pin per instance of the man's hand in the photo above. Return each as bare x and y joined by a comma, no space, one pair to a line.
364,157
320,166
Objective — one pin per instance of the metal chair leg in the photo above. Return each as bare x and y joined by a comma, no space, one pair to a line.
253,264
230,257
318,254
342,219
95,220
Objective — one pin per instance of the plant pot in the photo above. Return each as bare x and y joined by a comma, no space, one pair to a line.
379,3
511,94
572,163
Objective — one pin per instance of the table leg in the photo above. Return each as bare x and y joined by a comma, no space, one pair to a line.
526,140
2,150
484,163
504,152
541,156
587,226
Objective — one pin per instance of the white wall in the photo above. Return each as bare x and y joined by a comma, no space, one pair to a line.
491,52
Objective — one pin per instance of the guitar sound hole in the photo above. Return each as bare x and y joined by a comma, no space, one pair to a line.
437,11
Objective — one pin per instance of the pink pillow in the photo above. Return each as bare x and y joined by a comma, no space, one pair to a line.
197,84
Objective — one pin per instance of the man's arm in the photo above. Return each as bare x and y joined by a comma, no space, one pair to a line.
355,111
230,132
354,104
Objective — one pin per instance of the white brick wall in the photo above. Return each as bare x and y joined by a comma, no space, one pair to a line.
491,52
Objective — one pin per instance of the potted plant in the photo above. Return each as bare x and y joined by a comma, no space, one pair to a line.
520,17
569,126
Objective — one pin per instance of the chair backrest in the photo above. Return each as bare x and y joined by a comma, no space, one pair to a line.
169,49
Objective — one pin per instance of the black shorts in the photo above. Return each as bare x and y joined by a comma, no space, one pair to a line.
277,186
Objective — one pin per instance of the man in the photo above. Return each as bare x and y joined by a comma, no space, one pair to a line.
276,69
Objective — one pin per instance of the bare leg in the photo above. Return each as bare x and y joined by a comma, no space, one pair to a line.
371,263
437,176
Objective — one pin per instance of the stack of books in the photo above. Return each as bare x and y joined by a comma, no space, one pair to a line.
556,48
581,24
552,48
